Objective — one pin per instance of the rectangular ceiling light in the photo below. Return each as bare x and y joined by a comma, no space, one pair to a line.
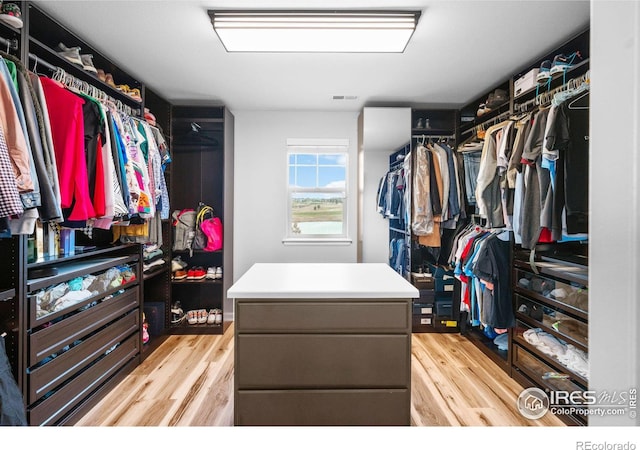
314,31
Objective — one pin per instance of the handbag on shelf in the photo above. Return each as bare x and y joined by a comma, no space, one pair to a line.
208,229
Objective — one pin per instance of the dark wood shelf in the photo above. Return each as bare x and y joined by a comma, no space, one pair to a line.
193,282
47,54
537,324
58,259
551,303
569,73
77,268
7,294
154,273
550,360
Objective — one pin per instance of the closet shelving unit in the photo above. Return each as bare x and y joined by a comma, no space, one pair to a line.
13,271
65,361
522,361
437,309
202,172
44,34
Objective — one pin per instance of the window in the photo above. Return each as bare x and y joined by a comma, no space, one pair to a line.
317,189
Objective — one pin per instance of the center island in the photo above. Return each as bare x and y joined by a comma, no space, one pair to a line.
322,344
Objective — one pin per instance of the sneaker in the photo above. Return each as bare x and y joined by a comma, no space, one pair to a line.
545,71
420,124
71,54
11,15
87,63
211,319
177,314
211,273
482,109
218,273
562,62
180,275
196,273
178,264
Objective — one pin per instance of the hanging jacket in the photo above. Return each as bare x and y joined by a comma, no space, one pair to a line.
14,136
49,208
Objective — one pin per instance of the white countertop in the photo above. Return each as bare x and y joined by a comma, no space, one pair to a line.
322,280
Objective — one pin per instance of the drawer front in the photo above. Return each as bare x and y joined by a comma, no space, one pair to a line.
322,361
323,407
62,401
544,316
534,369
571,296
55,337
543,351
423,308
330,317
58,370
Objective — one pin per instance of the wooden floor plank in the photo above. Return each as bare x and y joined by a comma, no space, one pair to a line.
188,381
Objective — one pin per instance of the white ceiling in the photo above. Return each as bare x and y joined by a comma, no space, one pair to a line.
460,50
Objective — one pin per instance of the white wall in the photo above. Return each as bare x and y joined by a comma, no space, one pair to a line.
385,130
260,182
614,235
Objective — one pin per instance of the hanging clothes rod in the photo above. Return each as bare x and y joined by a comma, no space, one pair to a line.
41,62
433,136
8,44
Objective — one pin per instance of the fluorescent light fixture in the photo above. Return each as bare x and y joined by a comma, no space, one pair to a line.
316,31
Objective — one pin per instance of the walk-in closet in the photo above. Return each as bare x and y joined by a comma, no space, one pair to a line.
194,231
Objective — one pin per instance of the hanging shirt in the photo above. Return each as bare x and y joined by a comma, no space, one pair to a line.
67,130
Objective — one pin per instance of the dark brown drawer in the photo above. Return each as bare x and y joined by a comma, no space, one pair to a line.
51,339
51,375
322,361
553,320
353,407
570,296
54,407
277,316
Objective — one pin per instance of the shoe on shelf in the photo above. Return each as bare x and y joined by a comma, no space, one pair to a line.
178,264
203,316
11,15
218,273
192,317
545,71
177,314
211,273
180,275
71,54
108,78
101,75
196,273
211,318
420,123
482,109
87,63
562,62
135,94
218,318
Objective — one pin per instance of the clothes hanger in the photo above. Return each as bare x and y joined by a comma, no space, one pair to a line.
573,105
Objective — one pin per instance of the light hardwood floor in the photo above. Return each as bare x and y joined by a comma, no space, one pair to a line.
188,381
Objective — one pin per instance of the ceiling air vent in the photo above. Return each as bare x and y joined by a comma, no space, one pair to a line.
345,97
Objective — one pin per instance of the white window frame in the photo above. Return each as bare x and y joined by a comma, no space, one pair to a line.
318,146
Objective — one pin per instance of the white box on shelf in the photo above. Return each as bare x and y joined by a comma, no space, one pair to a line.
525,82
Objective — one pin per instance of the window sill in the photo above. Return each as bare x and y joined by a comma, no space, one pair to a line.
317,241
